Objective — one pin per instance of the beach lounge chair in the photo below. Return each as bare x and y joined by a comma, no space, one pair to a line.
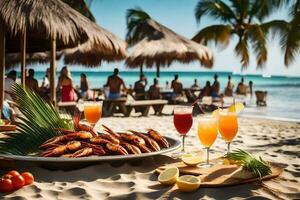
261,98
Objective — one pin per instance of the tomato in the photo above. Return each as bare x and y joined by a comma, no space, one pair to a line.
18,181
28,178
7,176
6,185
13,173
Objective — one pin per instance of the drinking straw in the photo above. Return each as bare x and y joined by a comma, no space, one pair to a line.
196,102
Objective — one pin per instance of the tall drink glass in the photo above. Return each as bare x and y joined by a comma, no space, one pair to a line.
207,134
228,126
183,121
92,111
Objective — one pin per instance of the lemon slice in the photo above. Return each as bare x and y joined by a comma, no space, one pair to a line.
238,107
192,160
188,183
186,155
169,176
216,112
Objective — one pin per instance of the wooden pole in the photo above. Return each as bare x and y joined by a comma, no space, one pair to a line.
53,71
141,69
23,57
157,70
2,65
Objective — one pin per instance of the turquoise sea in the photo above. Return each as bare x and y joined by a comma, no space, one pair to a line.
283,92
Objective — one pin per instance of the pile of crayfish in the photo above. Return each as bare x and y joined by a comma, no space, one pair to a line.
85,141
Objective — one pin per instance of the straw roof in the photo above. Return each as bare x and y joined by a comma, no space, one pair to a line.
43,20
91,54
13,59
161,46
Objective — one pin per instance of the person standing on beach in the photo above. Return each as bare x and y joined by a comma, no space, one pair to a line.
65,85
215,88
46,82
139,87
177,87
10,80
251,88
84,86
114,82
31,82
229,88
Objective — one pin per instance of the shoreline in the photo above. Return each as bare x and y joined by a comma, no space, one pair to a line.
283,119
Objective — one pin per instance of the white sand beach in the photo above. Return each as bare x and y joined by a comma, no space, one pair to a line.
275,141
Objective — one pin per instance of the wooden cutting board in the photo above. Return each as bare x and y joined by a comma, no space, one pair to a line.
222,175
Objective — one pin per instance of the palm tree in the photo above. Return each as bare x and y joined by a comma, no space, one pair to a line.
241,18
289,32
82,7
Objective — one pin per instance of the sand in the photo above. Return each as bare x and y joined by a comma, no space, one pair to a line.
274,140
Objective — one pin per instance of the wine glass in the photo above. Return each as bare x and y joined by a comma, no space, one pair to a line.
228,126
92,111
207,134
183,121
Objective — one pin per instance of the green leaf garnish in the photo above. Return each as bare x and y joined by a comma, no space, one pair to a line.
37,124
258,167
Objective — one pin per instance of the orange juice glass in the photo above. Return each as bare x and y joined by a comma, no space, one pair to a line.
228,126
92,111
207,134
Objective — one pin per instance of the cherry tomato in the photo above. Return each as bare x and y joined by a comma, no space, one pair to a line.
13,173
28,178
18,181
7,176
6,185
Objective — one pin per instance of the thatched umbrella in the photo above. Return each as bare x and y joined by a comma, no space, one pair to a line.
13,59
91,54
155,44
43,25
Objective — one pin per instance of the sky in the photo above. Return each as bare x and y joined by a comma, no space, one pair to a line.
179,16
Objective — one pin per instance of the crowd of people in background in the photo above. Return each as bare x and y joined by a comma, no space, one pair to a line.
115,87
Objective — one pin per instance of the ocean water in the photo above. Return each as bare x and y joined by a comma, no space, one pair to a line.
283,92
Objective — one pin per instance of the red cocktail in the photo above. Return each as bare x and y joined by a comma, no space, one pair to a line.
183,121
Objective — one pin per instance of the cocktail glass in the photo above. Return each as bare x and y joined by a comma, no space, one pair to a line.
207,134
92,111
183,121
228,126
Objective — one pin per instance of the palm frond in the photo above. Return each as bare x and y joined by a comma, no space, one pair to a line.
275,28
241,50
258,167
38,123
261,9
241,8
220,34
257,38
214,8
135,30
290,41
81,7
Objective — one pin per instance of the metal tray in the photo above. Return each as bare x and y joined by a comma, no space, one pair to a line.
175,144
